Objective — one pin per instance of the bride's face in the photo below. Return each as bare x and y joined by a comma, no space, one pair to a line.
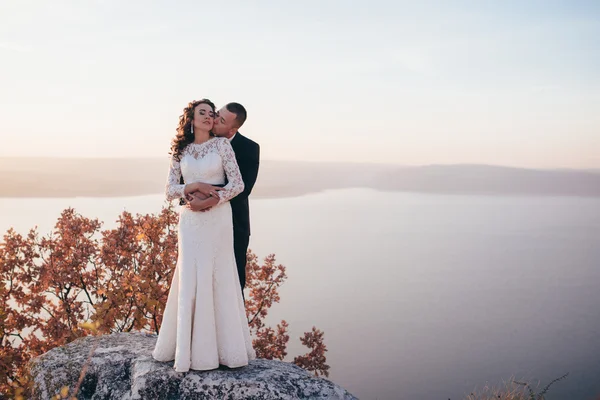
204,117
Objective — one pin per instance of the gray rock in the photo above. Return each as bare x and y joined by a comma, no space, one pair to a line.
122,368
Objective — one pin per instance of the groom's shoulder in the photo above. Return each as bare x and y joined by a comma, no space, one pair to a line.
247,142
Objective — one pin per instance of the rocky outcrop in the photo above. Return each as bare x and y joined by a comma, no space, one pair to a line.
122,367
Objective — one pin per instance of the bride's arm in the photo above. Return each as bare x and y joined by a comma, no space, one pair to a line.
174,189
235,183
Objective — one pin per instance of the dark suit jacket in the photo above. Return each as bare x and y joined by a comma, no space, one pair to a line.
247,155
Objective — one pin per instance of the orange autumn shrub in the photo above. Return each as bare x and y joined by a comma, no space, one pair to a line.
118,279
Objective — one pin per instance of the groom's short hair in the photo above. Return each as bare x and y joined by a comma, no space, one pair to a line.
239,111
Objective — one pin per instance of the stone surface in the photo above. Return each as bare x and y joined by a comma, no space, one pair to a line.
122,368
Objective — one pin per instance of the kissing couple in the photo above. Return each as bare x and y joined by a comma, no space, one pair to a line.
212,172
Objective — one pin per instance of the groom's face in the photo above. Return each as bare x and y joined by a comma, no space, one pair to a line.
224,123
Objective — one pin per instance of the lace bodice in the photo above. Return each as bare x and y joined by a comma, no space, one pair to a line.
210,162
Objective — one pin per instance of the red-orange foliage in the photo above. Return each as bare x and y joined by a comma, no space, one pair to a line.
314,361
119,280
263,282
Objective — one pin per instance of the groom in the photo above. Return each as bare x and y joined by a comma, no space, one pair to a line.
228,120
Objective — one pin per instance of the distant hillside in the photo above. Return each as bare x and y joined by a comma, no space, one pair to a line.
47,177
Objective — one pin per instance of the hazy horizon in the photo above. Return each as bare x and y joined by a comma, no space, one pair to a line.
165,158
309,162
407,83
122,177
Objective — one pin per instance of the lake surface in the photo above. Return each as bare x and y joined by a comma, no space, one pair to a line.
420,296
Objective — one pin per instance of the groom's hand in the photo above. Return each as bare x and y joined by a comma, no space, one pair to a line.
198,204
204,188
211,202
195,203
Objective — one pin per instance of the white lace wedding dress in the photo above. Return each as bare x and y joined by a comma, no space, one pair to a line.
204,323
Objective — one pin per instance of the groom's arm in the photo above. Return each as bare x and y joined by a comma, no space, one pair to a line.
249,164
183,201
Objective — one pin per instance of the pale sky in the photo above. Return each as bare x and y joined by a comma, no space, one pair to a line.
431,82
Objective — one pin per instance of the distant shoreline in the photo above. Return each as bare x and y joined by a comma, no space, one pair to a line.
121,195
308,193
110,178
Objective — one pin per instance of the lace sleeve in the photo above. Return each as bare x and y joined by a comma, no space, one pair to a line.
235,183
174,189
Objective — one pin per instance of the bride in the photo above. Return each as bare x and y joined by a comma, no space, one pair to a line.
204,323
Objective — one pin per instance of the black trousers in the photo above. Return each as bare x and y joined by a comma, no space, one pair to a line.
240,247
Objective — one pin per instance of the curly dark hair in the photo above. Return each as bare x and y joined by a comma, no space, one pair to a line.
184,134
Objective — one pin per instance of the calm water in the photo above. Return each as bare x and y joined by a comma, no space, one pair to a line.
421,296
